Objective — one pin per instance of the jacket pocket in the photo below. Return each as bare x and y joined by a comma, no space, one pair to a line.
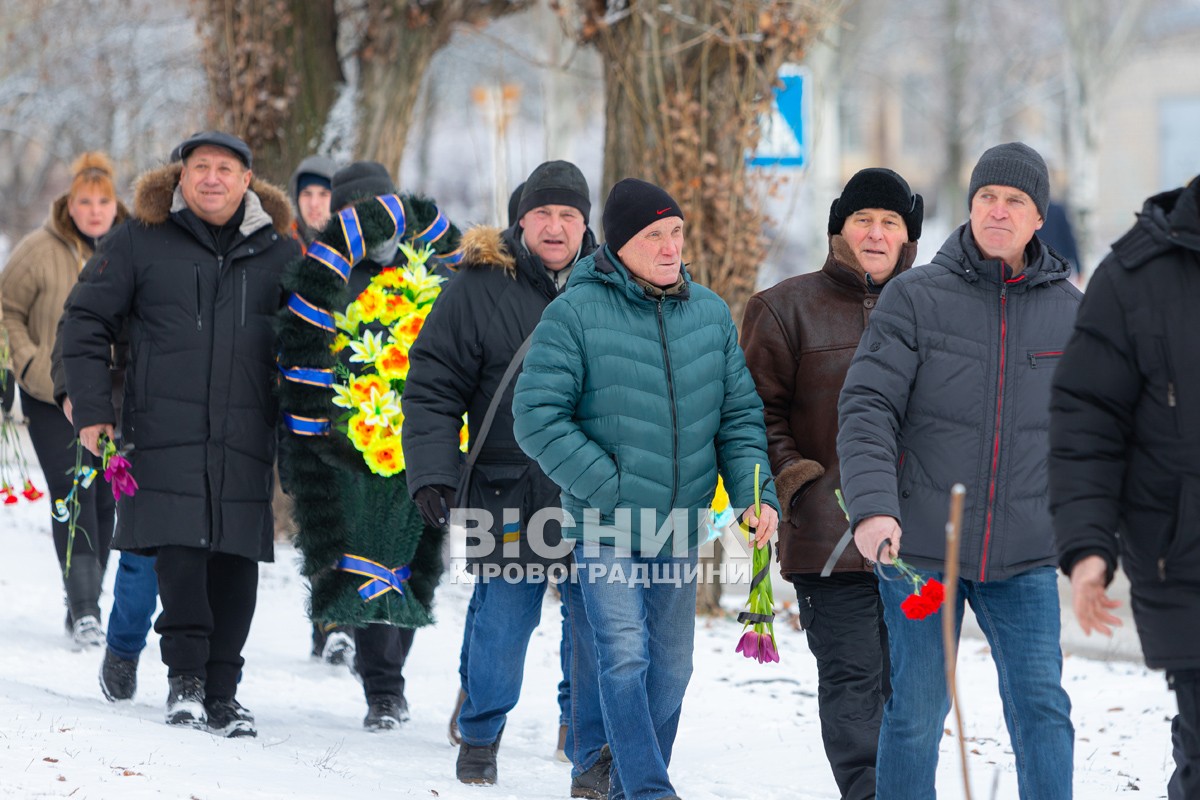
1180,559
1046,358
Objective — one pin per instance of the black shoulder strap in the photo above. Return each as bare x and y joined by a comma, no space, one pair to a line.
490,416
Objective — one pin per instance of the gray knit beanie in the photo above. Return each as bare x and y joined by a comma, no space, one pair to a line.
1014,164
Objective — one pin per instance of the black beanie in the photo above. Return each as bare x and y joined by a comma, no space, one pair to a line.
306,179
1014,164
632,205
555,183
877,187
360,179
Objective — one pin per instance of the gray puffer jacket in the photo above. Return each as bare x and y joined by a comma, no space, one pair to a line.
951,384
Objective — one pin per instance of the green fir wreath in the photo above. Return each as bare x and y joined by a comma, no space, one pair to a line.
366,551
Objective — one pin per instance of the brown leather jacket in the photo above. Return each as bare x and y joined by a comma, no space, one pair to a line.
799,337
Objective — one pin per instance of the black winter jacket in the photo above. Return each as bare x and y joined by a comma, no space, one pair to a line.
951,384
476,326
199,408
1125,425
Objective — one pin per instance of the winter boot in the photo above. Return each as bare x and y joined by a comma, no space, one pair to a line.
385,713
118,676
477,765
454,736
594,782
230,719
82,583
185,702
339,647
86,633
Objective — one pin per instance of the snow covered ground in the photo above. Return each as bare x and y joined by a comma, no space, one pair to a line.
748,730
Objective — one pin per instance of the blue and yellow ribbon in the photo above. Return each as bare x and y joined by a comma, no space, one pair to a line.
309,375
436,230
352,230
451,259
324,254
306,426
391,203
310,313
382,579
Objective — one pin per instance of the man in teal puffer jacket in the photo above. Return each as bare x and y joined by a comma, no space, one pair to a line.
633,396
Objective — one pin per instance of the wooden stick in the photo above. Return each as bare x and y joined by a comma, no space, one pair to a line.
949,616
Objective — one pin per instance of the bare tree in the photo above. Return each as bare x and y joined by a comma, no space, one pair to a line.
686,84
123,77
273,72
1099,34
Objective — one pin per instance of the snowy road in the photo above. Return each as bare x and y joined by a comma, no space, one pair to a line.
748,730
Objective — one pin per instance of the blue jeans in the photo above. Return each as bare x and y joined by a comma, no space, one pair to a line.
644,639
585,725
1020,618
564,659
135,596
496,640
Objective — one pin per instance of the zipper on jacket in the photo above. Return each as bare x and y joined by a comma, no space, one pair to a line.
243,295
1033,357
662,336
1170,394
199,320
992,475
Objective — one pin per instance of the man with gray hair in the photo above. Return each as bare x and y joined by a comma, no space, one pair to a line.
951,384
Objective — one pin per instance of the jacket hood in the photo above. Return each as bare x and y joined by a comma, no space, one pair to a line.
63,227
316,165
961,255
603,266
1173,218
484,247
156,195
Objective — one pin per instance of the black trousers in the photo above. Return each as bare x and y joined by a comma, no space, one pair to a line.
380,653
53,438
842,616
208,602
1185,735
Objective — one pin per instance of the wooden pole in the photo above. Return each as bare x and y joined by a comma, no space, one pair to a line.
949,616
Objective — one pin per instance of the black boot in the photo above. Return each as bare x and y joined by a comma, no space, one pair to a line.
82,583
185,702
385,712
593,783
229,718
118,676
477,764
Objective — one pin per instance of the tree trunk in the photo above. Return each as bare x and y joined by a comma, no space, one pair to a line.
400,41
273,71
686,83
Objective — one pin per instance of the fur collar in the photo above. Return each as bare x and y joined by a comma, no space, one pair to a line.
484,247
156,195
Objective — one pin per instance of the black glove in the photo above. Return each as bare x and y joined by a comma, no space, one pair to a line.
434,503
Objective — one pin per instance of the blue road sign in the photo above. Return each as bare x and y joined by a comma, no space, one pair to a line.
785,128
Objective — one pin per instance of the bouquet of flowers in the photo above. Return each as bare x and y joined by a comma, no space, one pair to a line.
116,472
758,635
927,594
399,299
11,453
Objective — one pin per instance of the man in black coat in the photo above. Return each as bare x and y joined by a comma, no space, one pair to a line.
1124,446
477,325
195,276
